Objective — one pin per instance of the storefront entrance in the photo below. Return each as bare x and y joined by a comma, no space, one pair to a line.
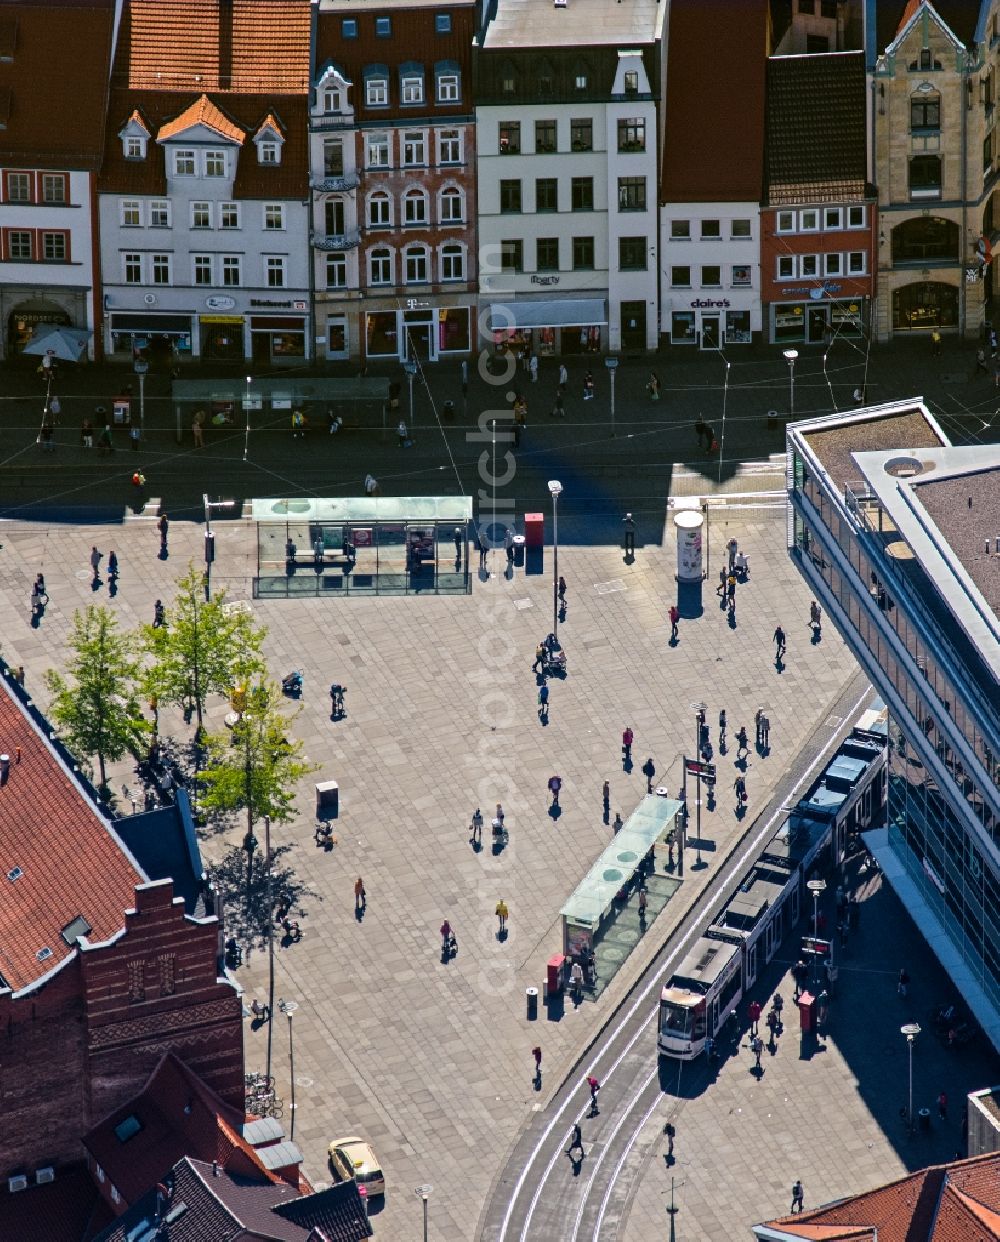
819,323
710,331
633,325
419,343
30,318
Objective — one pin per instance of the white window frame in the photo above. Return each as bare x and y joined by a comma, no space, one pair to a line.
450,254
383,256
710,237
224,210
384,201
414,141
414,196
678,236
214,163
331,99
741,284
21,245
158,206
269,152
862,266
833,218
185,163
785,222
275,265
130,206
336,260
377,143
747,236
158,262
449,88
686,284
205,208
411,89
833,264
856,217
201,264
416,252
377,92
135,147
808,266
451,194
273,212
131,259
57,182
809,220
232,263
703,283
786,261
449,136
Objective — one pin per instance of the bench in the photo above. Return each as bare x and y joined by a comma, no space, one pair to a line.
308,559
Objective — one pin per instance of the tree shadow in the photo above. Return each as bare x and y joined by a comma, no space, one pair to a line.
244,907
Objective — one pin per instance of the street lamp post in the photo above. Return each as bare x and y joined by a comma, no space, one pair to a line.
423,1194
270,939
210,538
411,370
699,710
246,435
817,888
140,367
911,1030
290,1008
612,365
555,487
790,356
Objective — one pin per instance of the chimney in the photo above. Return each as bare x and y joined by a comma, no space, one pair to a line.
215,1168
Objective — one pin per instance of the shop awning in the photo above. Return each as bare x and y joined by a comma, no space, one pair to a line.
566,313
150,323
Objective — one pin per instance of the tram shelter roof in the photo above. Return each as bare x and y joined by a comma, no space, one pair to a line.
652,818
362,509
297,388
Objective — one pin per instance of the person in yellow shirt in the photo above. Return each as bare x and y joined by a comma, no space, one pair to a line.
502,912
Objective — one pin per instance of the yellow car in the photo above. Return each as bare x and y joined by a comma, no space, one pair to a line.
353,1157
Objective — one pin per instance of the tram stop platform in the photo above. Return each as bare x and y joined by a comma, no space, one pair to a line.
601,921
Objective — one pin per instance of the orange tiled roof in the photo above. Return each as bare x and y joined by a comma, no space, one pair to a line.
194,44
138,120
70,861
202,112
269,122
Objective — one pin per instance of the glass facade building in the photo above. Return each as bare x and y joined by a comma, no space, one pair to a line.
896,533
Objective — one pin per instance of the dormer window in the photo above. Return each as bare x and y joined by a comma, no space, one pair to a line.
268,140
267,152
331,100
135,147
376,86
447,81
411,84
134,136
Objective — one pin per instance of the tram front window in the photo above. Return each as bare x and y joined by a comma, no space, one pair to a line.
676,1021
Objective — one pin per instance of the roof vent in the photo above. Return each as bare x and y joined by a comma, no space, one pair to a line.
14,873
43,1176
14,1184
43,955
558,4
75,930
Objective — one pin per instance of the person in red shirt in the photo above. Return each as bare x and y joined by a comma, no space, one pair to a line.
754,1014
627,738
675,617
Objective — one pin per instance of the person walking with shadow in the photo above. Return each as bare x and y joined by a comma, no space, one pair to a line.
629,523
815,621
594,1086
555,785
779,643
502,914
675,617
543,713
575,1141
360,896
649,771
797,1196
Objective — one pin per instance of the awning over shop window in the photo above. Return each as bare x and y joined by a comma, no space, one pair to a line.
150,323
570,313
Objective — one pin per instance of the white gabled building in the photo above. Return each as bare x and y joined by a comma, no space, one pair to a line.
568,105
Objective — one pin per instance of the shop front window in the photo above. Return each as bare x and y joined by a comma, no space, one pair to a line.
380,333
453,330
929,304
789,323
738,328
682,328
288,345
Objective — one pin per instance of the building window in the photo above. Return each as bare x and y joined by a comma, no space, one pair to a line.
377,92
680,278
135,148
232,270
349,28
414,149
452,262
267,153
336,270
414,207
680,230
832,218
808,265
131,213
202,267
739,229
379,210
18,187
580,81
856,263
512,256
331,99
19,245
545,137
925,238
378,150
274,271
855,217
449,147
742,275
927,61
583,254
925,111
632,254
631,82
448,90
159,214
711,277
711,230
547,254
831,265
581,134
380,266
809,221
132,266
631,134
201,215
54,188
442,23
383,27
582,193
786,267
786,221
415,265
510,137
161,269
631,193
452,206
274,216
987,153
229,216
333,157
183,163
412,90
215,164
510,196
547,194
925,176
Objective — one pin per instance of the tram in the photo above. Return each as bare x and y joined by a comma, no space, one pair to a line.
723,965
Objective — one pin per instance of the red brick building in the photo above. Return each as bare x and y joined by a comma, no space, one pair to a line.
393,158
819,228
102,970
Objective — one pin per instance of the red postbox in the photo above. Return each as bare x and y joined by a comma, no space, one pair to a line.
807,1012
554,974
534,530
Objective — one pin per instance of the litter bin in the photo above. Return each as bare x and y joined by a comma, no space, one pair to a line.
531,999
534,530
554,974
772,419
924,1116
519,550
807,1012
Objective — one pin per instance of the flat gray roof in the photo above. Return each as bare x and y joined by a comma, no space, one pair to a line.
580,23
966,509
835,438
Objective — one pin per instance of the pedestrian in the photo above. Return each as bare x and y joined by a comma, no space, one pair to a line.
445,937
588,386
742,743
606,797
106,442
139,484
538,664
558,410
536,1054
360,896
800,973
298,425
477,827
741,790
629,523
594,1086
55,408
815,618
772,1025
731,590
779,642
401,433
936,343
832,971
561,590
643,902
675,617
533,368
133,436
757,1048
753,1013
942,1103
653,386
197,428
45,438
758,717
543,703
981,362
563,375
163,526
502,913
555,785
722,729
87,433
576,1141
649,771
484,547
732,547
159,616
112,565
797,1196
95,561
701,430
903,983
619,822
628,737
765,732
670,1132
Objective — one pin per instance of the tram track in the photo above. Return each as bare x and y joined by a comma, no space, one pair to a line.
539,1196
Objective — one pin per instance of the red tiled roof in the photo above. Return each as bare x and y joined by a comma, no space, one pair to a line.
957,1202
138,120
201,112
250,46
71,863
269,122
64,1210
56,82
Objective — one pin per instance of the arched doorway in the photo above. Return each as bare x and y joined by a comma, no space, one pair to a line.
929,304
26,318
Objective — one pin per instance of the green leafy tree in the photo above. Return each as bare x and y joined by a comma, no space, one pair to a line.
97,708
203,649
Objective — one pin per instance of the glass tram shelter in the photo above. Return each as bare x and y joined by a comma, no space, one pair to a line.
601,918
362,545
